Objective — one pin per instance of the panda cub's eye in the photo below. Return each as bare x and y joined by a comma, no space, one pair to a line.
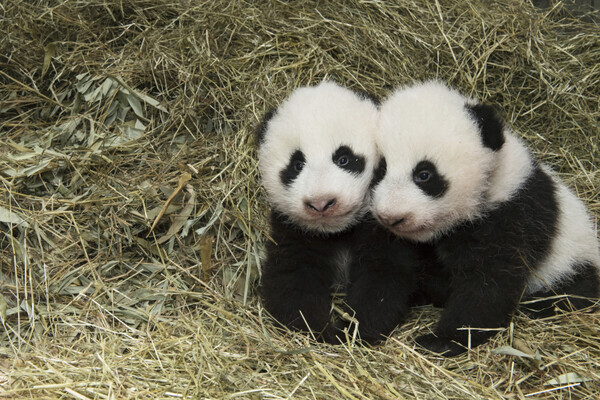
298,166
422,176
342,161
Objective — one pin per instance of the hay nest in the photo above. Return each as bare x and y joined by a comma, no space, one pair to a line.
131,214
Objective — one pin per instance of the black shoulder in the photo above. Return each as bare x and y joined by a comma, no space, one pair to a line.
520,229
262,127
491,126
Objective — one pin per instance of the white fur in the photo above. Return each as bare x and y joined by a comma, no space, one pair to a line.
429,121
342,263
318,120
513,166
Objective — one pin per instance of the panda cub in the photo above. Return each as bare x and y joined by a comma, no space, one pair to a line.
317,159
504,228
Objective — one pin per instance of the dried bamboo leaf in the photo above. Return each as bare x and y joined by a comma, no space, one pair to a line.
11,217
566,379
182,217
183,180
206,244
49,52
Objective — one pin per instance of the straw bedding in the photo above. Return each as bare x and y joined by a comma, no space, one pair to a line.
132,218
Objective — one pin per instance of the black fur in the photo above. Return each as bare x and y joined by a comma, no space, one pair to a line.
261,129
489,261
577,293
379,173
490,125
429,180
432,278
293,169
347,160
368,96
300,272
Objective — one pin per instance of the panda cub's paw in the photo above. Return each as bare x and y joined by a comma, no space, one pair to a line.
336,332
441,345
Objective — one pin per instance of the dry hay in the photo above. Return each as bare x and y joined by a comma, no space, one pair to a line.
131,217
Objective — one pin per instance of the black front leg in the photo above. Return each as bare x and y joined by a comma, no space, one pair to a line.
295,290
380,304
433,279
481,299
382,279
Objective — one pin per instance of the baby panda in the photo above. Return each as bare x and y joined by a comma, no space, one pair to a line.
504,228
317,159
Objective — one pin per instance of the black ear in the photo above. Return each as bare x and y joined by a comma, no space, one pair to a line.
368,96
490,125
262,127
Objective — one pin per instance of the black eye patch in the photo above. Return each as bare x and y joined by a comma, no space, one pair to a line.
293,169
379,173
345,158
427,178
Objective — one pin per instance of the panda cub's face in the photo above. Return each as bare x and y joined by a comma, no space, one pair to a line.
317,155
440,149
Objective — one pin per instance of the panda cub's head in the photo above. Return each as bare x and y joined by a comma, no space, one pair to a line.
317,156
445,161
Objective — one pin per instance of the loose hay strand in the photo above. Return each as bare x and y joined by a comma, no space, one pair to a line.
117,283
